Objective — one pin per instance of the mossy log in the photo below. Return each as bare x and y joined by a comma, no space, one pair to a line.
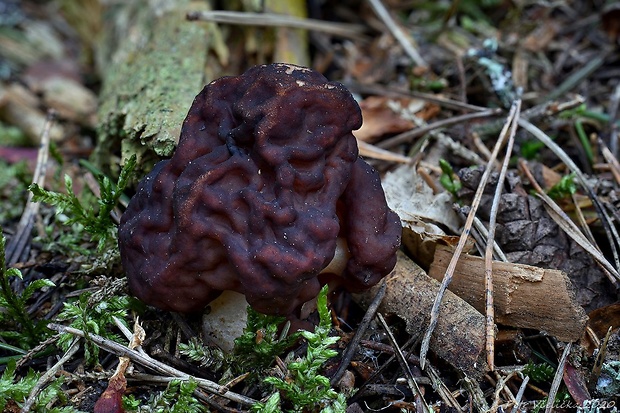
153,61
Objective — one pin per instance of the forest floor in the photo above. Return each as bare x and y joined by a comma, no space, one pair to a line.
528,91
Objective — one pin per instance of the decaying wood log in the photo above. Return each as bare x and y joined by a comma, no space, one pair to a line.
153,62
524,296
459,335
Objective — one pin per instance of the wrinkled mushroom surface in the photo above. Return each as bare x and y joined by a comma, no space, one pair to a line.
265,179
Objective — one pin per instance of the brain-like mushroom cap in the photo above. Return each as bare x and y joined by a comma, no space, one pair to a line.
265,178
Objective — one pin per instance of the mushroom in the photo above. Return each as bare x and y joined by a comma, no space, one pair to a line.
264,185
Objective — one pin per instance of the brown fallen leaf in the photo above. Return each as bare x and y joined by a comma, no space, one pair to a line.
610,19
576,384
382,115
603,318
110,400
422,213
540,38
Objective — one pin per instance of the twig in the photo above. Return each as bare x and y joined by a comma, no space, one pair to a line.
441,389
349,352
488,254
404,365
476,394
520,394
414,133
499,387
143,377
47,376
32,352
398,33
146,361
557,379
463,238
17,243
353,31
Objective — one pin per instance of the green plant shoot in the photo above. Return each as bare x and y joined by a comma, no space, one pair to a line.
28,332
565,188
95,221
304,387
93,318
448,178
17,391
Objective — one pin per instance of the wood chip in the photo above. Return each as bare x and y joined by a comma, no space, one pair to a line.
525,296
458,337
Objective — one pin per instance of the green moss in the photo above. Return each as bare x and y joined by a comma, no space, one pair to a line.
150,85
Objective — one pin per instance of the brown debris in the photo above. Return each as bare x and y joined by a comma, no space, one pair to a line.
20,107
528,235
381,117
459,335
524,296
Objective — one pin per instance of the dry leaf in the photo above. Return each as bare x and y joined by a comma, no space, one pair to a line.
423,213
383,115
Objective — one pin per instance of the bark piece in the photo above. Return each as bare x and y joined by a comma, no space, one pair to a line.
528,235
524,296
459,336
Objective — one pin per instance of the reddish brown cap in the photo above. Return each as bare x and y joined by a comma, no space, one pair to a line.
266,177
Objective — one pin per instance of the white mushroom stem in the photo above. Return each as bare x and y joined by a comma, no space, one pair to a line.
341,257
226,320
228,313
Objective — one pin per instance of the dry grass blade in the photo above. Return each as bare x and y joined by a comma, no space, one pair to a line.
601,353
570,227
482,230
404,365
614,165
353,31
557,379
581,219
576,78
560,153
371,151
520,393
398,33
17,243
488,253
614,104
463,238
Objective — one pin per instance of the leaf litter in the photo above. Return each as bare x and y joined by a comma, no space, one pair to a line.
435,81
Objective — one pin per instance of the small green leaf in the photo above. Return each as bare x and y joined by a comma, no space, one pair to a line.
565,188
